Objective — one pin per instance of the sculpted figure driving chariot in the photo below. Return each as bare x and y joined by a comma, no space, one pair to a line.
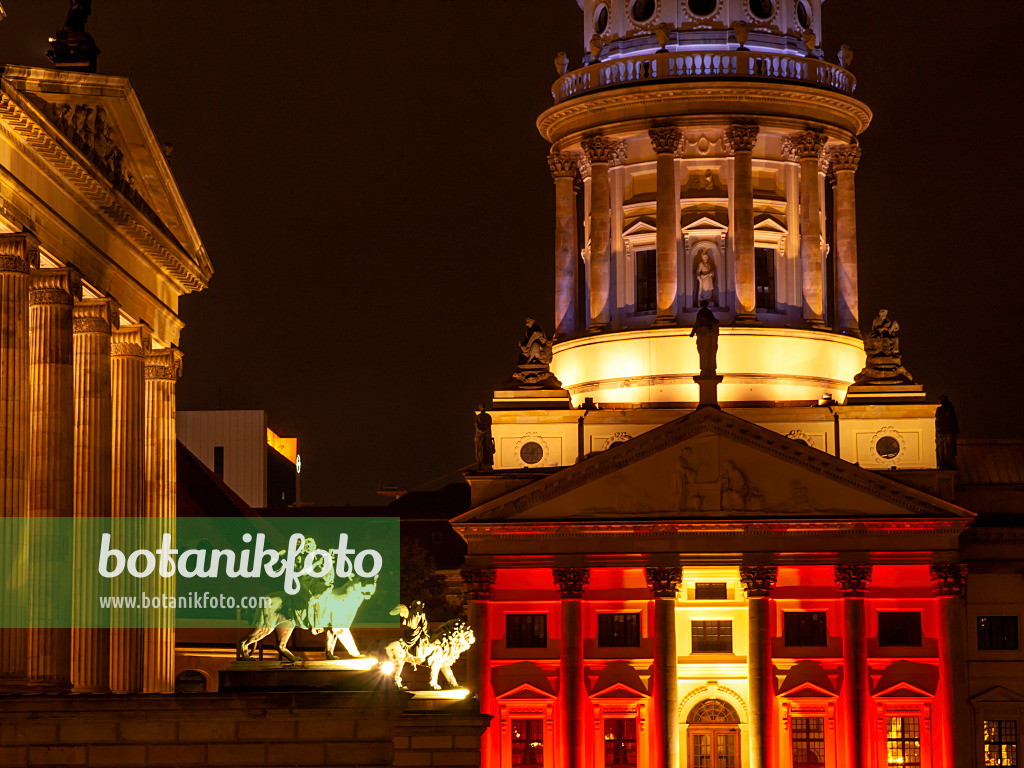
439,649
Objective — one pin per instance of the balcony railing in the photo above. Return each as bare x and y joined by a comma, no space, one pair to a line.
741,65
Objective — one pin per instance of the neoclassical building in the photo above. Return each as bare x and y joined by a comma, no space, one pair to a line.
777,579
96,247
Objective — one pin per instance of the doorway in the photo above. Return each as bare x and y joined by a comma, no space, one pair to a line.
713,736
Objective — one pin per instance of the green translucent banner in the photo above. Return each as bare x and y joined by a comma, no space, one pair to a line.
311,572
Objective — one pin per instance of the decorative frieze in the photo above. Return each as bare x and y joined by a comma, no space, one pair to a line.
95,316
664,582
130,341
54,286
479,582
950,579
18,253
571,582
563,164
853,580
163,364
758,580
665,140
740,138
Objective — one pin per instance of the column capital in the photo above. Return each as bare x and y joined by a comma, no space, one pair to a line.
479,582
163,364
844,157
665,140
803,145
95,316
130,341
563,165
758,580
740,137
601,149
18,252
664,582
853,580
60,285
949,579
571,582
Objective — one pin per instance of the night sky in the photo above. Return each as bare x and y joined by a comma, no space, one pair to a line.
371,188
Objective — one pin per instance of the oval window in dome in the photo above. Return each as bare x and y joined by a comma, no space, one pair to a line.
803,15
702,7
762,9
601,20
643,10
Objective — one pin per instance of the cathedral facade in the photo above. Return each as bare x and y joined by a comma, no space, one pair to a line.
749,550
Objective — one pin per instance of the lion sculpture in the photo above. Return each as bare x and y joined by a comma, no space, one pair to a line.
440,652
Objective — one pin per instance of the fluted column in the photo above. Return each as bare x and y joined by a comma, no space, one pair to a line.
664,583
853,583
844,161
18,253
806,147
564,167
93,320
50,473
758,581
739,142
665,142
128,347
600,152
480,589
163,367
950,580
571,582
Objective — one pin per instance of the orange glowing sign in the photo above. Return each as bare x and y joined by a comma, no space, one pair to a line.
286,446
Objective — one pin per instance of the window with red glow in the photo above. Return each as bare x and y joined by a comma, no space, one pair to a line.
903,741
526,630
808,736
527,743
997,633
620,743
1001,743
711,636
899,628
618,630
806,628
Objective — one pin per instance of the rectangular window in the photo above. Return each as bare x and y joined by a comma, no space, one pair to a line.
899,628
711,636
808,742
646,280
618,630
527,743
903,741
218,461
710,590
1001,743
620,743
764,278
806,628
526,630
997,633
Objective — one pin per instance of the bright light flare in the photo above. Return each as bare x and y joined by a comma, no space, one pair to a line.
387,668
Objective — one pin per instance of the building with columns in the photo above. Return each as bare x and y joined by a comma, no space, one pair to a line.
96,247
750,557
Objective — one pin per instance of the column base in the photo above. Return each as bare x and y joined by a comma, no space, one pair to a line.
708,390
746,319
666,321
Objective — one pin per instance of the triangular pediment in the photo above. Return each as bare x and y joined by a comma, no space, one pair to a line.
618,691
704,223
997,695
641,226
710,466
527,691
903,691
768,224
808,690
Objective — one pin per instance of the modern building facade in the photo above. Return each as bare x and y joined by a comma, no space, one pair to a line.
778,579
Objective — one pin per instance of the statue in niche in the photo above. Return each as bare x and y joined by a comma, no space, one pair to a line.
705,328
484,442
535,348
946,431
687,498
705,276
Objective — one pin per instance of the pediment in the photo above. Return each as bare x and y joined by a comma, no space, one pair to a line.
705,223
527,691
768,224
997,695
641,226
903,691
712,466
618,691
808,690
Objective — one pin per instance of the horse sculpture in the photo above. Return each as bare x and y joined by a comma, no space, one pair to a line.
339,610
440,651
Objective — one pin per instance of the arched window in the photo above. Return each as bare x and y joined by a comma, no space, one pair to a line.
190,681
712,711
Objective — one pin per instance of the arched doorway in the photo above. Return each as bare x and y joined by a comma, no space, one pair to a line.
713,736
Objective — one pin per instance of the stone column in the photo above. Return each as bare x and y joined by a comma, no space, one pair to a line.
664,583
480,589
18,253
571,582
600,152
163,367
758,581
806,147
844,161
950,580
50,473
665,142
93,320
739,142
564,167
128,348
853,582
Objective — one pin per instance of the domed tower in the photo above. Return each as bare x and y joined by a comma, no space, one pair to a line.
697,140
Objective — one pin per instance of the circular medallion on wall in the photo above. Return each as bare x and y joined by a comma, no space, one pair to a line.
888,446
531,450
642,11
601,19
761,9
803,14
702,8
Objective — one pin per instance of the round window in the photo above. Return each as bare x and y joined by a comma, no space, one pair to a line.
888,447
643,10
601,20
803,15
702,7
762,9
531,453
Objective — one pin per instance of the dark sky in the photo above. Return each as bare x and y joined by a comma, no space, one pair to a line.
372,190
